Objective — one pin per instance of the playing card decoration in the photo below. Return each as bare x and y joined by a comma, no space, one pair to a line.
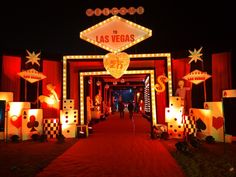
200,125
217,122
116,63
32,123
229,93
16,121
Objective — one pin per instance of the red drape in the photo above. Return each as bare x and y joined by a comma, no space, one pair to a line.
180,68
11,65
74,68
73,88
53,71
221,74
160,66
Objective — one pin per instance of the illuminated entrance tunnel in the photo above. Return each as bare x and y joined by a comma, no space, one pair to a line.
77,69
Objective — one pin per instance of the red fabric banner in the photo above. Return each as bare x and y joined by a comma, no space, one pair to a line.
221,74
160,66
11,65
180,68
53,71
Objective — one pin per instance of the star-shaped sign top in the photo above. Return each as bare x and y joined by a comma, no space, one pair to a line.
195,55
33,58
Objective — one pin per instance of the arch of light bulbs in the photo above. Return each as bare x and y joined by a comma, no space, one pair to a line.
137,56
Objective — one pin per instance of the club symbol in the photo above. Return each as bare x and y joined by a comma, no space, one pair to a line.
32,123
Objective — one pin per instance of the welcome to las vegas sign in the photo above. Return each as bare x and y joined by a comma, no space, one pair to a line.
115,34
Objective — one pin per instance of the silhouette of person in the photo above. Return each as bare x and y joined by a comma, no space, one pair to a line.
131,110
121,109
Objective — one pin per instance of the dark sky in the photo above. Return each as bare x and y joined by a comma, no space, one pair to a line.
54,28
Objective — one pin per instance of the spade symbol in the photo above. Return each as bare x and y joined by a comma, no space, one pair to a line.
200,125
32,123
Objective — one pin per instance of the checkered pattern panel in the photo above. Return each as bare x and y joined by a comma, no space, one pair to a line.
189,125
51,127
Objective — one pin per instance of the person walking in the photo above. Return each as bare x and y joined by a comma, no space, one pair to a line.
131,110
121,109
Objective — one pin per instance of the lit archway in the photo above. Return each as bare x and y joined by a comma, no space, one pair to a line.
136,56
152,89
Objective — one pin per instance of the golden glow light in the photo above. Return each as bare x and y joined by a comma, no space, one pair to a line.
7,96
52,99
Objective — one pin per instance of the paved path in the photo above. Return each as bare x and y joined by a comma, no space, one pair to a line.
117,148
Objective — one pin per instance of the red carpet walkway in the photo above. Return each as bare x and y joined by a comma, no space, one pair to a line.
117,148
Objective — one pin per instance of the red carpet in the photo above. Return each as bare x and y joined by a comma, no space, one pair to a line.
117,148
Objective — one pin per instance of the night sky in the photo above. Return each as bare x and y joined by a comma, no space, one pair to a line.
54,28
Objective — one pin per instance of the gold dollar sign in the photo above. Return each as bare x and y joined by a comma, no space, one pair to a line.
160,86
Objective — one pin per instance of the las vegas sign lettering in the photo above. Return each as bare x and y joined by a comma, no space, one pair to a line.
31,75
115,34
197,76
115,38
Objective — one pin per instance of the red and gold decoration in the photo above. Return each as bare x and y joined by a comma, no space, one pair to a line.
197,76
33,58
195,55
116,63
115,11
52,99
32,75
217,119
160,86
229,93
115,34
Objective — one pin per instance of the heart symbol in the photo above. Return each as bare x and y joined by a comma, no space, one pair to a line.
116,63
16,121
217,122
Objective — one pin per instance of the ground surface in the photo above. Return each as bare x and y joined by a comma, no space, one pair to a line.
116,148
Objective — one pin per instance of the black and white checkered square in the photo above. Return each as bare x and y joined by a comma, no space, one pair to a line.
51,127
189,125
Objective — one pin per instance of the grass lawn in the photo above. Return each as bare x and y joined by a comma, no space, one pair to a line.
27,158
209,160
